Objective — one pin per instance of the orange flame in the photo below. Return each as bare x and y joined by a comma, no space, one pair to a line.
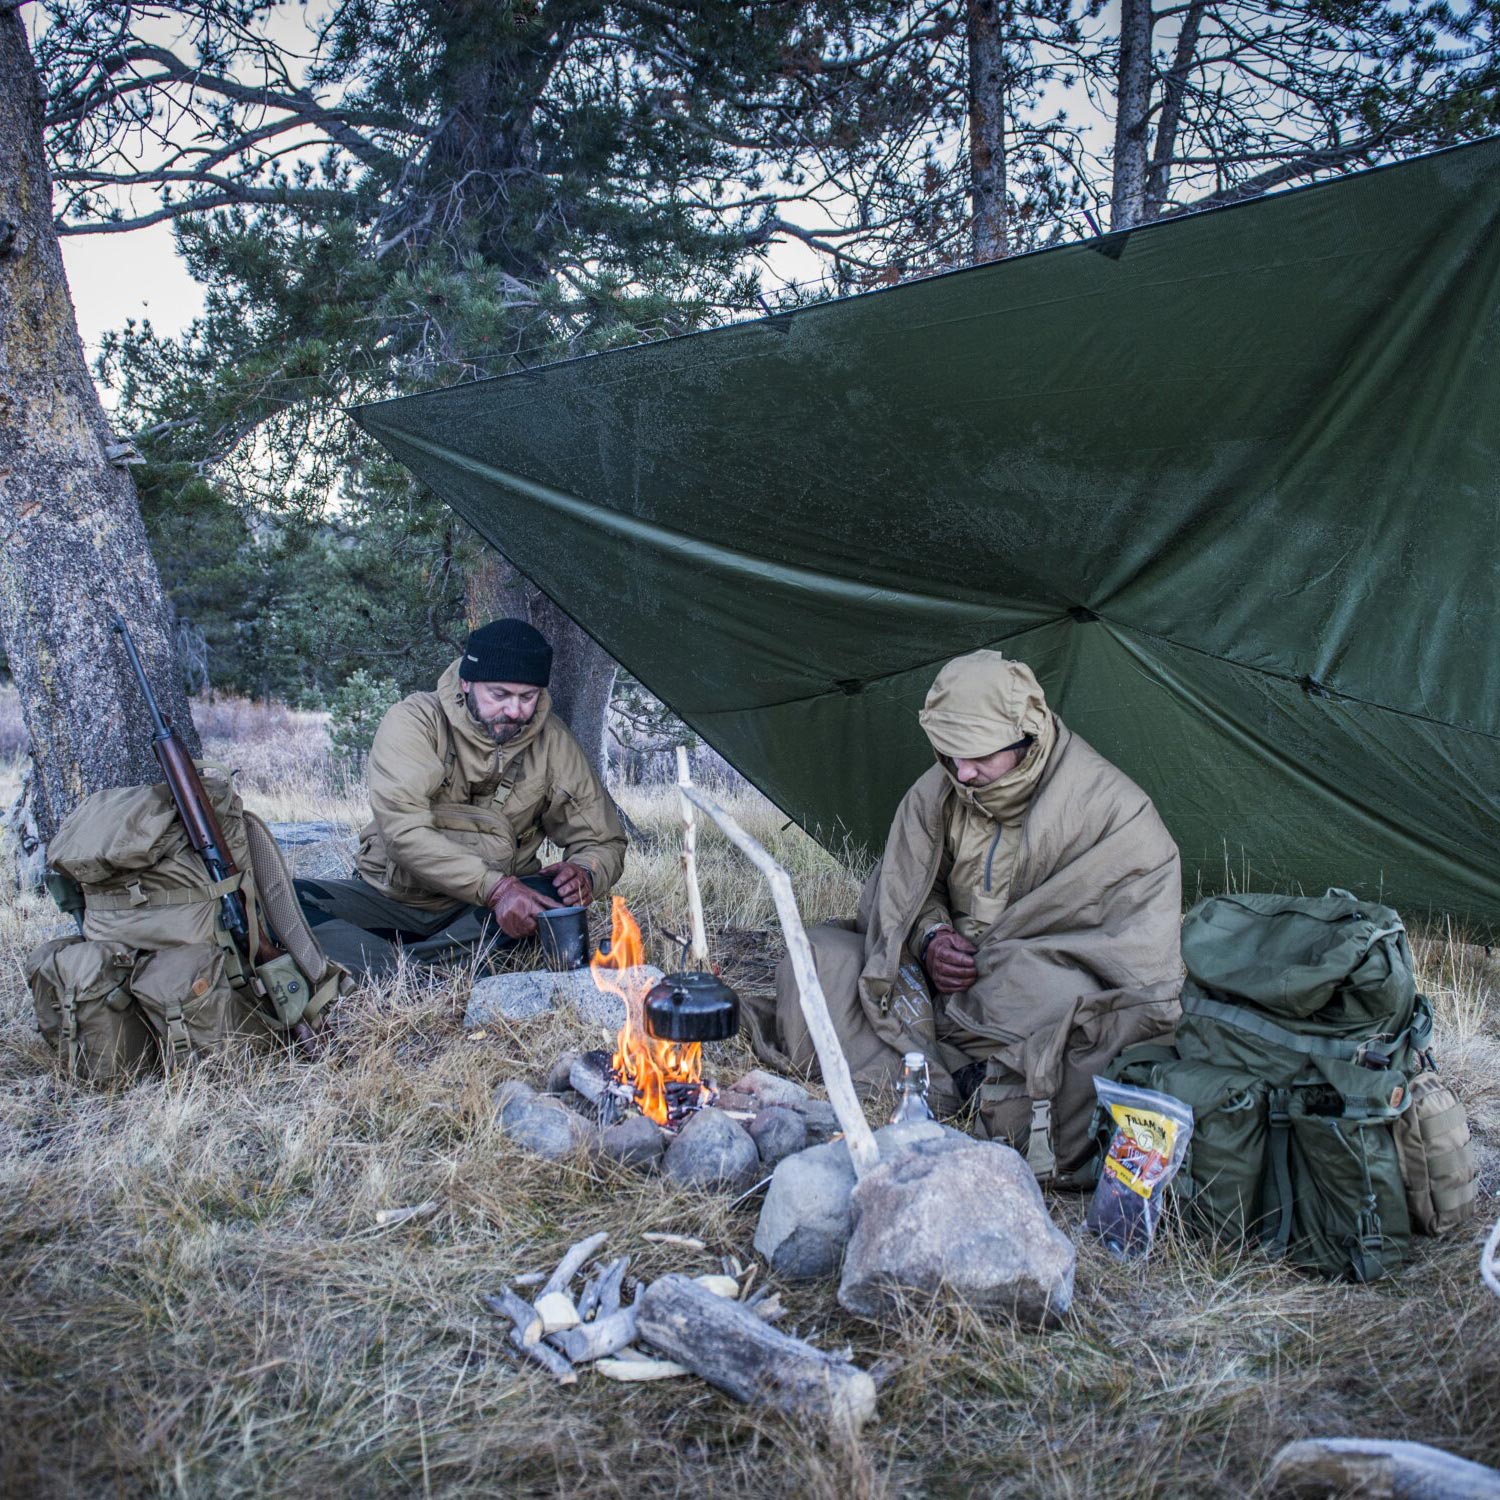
640,1061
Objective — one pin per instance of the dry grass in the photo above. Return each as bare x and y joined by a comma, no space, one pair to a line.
195,1301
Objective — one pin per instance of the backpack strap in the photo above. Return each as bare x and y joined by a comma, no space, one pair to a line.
69,1002
1040,1156
133,897
179,1042
1374,1052
1279,1118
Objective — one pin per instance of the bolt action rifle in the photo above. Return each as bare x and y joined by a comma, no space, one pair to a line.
204,833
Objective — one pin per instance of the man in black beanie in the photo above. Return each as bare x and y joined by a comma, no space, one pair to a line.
465,783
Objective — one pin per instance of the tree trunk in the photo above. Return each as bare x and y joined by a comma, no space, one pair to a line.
1173,89
988,30
583,674
72,544
1133,115
583,678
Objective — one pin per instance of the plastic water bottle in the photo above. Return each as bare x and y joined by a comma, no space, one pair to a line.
911,1103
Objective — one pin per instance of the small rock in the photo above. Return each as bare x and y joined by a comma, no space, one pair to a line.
805,1221
712,1150
557,1074
769,1088
544,1125
635,1142
778,1132
511,1091
821,1121
962,1217
739,1104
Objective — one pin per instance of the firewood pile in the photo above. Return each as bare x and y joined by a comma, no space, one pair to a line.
718,1327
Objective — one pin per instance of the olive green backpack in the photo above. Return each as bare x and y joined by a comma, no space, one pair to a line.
1322,1130
153,978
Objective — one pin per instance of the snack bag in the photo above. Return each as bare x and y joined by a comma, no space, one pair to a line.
1145,1150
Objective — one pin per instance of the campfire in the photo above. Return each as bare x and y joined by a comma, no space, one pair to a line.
663,1078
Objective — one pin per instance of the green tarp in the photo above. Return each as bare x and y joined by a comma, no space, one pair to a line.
1229,484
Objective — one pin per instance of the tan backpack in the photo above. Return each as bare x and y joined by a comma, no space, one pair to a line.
154,977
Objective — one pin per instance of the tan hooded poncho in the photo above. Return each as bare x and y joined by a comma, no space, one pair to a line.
1064,877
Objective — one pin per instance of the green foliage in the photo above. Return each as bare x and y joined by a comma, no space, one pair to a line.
354,714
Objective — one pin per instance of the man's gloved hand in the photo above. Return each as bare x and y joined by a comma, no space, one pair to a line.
949,961
571,881
515,906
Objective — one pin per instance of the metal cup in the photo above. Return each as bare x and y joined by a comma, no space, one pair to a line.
564,935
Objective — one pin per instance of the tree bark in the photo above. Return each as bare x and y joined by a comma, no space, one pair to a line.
72,544
583,673
1174,87
989,24
1132,115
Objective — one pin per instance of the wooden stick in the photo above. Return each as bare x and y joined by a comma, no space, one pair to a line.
388,1218
736,1351
568,1266
553,1362
831,1059
690,861
609,1287
599,1339
525,1320
1378,1466
1489,1260
640,1369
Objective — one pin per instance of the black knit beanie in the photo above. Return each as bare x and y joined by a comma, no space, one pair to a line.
507,651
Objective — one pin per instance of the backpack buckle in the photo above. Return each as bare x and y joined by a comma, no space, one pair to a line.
137,895
1376,1053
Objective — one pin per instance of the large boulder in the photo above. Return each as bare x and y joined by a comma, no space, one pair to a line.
959,1218
805,1220
711,1150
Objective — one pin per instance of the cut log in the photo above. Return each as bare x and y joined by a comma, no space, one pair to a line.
568,1267
1378,1469
731,1348
597,1340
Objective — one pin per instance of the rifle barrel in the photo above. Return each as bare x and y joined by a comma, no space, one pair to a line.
158,723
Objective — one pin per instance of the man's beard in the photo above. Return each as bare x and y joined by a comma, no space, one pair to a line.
501,730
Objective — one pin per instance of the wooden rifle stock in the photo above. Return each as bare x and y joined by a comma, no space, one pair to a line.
201,822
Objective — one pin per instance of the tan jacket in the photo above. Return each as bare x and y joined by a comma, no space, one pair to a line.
1089,936
454,812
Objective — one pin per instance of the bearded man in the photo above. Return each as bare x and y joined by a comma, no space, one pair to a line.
465,783
1021,929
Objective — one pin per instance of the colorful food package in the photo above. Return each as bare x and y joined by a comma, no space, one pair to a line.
1147,1146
